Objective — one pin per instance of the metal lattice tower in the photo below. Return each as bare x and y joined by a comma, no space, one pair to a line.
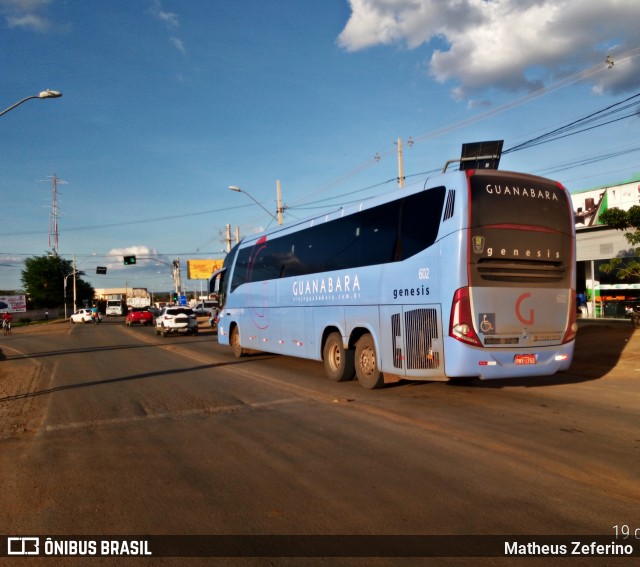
53,217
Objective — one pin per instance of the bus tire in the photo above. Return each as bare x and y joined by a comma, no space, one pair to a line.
339,364
234,342
366,362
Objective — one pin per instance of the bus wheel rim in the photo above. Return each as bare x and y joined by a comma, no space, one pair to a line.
334,357
368,361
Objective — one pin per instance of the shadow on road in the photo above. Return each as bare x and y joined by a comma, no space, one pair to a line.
601,349
142,376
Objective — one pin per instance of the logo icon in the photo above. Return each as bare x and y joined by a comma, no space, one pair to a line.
487,323
524,318
478,244
23,546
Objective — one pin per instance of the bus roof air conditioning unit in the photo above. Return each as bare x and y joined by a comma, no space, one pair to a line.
478,155
481,155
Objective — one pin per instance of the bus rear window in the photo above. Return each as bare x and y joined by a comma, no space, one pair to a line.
521,231
500,198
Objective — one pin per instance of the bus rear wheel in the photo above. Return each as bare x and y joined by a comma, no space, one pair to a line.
339,364
234,341
366,361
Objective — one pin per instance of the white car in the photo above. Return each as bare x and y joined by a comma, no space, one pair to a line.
176,319
205,308
82,316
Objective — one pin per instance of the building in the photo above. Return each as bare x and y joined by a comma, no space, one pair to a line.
596,244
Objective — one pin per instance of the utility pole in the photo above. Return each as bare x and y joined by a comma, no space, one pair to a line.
400,166
279,201
176,276
74,282
227,237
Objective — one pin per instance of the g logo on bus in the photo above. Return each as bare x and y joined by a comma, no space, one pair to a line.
519,315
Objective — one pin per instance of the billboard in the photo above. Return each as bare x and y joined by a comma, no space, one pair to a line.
14,303
202,269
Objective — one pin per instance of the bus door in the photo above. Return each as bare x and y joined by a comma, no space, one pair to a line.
411,340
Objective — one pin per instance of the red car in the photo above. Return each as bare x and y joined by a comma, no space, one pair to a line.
138,315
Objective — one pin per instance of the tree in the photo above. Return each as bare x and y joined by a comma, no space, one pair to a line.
43,280
627,268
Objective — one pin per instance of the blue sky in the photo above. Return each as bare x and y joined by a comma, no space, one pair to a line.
166,104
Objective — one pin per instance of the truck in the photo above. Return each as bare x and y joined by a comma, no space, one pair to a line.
115,305
140,302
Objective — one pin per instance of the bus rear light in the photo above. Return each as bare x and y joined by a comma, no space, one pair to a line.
488,363
461,320
572,324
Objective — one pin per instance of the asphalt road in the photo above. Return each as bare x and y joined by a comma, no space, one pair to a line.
112,430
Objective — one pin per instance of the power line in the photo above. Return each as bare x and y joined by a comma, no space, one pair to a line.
136,222
575,127
557,85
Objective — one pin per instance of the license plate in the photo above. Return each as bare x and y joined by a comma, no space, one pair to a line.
525,359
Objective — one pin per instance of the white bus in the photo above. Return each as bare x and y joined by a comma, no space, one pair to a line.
467,275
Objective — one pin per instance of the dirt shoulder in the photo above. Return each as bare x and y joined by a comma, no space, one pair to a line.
20,377
18,380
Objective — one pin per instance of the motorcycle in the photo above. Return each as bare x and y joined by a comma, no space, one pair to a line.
634,314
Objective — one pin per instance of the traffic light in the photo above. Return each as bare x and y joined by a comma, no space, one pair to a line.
175,297
129,260
101,270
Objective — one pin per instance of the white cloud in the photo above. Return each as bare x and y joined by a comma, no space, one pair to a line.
137,250
512,45
169,18
171,21
31,21
178,44
26,14
149,260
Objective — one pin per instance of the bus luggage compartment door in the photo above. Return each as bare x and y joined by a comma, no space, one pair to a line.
412,340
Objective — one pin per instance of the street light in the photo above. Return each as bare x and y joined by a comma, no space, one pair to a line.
44,94
238,190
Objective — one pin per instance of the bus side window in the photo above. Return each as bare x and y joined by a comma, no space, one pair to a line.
379,233
421,220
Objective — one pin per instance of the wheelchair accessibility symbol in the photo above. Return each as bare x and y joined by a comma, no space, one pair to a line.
487,323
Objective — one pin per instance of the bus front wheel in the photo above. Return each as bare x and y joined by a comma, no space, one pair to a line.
339,363
367,370
234,341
